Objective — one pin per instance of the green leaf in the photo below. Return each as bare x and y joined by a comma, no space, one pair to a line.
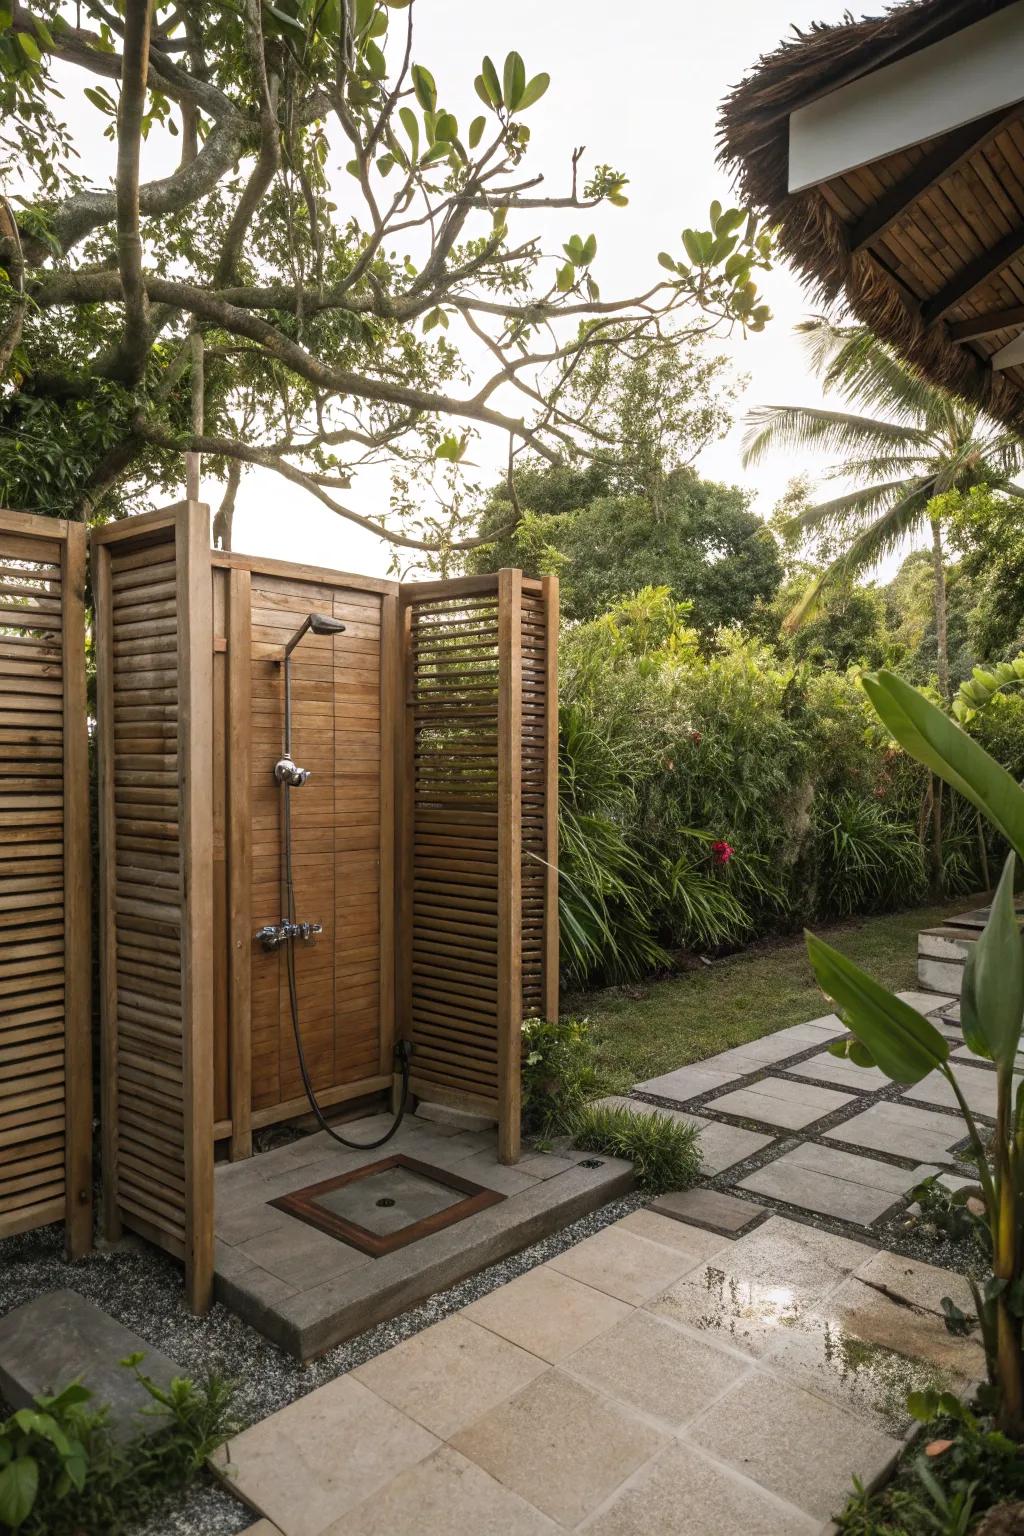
375,61
513,82
901,1041
476,131
446,127
424,87
29,47
691,244
564,277
589,250
492,85
410,122
992,1004
533,92
923,1406
19,1484
667,261
99,98
715,213
928,734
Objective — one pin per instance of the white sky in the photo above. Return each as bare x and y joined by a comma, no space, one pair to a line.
643,98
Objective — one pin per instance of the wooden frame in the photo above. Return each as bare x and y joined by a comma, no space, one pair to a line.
152,587
303,1203
45,1151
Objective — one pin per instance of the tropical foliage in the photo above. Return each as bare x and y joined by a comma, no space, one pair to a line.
893,1036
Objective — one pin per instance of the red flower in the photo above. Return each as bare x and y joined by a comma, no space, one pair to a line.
722,851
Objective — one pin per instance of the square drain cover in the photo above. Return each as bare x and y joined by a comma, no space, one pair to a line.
387,1204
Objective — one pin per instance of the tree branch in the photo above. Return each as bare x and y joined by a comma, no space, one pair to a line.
137,337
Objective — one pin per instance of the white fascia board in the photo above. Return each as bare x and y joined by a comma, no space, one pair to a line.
1010,355
975,71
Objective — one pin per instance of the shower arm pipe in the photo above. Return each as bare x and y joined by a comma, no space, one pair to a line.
319,624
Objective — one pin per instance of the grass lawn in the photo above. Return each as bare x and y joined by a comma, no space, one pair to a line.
643,1030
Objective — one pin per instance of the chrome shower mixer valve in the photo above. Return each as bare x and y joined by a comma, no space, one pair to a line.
273,935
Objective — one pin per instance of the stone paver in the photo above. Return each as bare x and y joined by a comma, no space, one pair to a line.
560,1445
977,1085
687,1082
631,1268
716,1502
776,1101
648,1363
826,1068
60,1337
722,1146
902,1129
449,1375
322,1456
445,1495
835,1183
710,1208
548,1313
804,1449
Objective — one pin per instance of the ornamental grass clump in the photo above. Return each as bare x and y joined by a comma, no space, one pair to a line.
893,1036
665,1153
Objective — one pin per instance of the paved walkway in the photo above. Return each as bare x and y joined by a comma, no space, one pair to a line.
655,1380
704,1366
785,1122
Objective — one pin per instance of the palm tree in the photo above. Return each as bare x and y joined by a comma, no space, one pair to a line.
922,444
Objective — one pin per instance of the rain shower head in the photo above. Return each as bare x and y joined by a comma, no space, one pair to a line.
318,624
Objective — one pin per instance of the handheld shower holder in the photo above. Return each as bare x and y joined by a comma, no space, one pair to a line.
288,772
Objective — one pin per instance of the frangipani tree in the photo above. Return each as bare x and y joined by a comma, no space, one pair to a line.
343,268
893,1036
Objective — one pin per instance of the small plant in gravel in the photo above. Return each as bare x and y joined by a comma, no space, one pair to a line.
63,1472
665,1153
893,1036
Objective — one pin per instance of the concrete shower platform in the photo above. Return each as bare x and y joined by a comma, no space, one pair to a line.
308,1289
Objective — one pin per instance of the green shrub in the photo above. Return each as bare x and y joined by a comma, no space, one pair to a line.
664,1152
62,1472
558,1075
865,859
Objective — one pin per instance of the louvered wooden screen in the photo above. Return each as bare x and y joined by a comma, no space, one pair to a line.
152,584
479,894
45,1072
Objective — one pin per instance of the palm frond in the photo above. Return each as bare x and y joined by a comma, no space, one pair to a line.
799,426
872,544
854,506
851,359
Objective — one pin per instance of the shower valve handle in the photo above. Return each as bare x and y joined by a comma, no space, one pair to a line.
288,772
272,936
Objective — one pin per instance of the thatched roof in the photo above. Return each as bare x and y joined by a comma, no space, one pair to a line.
897,239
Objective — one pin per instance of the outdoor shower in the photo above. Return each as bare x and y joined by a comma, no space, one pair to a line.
288,931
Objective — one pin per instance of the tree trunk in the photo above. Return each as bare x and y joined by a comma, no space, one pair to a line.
941,625
225,514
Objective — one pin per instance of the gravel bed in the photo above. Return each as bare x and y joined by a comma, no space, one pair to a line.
142,1288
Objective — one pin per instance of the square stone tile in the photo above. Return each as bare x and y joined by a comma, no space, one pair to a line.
893,1125
927,1002
301,1256
320,1457
775,1101
711,1208
547,1313
449,1374
695,1242
716,1503
763,1052
828,1027
762,1284
687,1082
826,1068
544,1165
835,1183
237,1226
794,1443
560,1445
977,1085
629,1267
445,1495
261,1528
722,1146
652,1365
862,1309
484,1168
915,1284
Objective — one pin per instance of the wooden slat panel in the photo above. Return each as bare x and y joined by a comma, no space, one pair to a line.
45,1070
153,589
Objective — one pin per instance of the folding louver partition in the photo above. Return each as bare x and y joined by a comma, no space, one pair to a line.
45,1072
479,925
154,654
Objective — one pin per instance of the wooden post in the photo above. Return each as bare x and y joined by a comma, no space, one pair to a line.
405,749
195,783
551,945
510,905
107,877
390,707
77,906
239,852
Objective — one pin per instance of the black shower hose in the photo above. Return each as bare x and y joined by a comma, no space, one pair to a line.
401,1049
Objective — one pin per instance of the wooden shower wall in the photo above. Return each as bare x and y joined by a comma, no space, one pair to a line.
344,708
45,1069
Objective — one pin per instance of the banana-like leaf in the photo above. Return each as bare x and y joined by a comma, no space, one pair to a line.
992,1002
934,739
899,1039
